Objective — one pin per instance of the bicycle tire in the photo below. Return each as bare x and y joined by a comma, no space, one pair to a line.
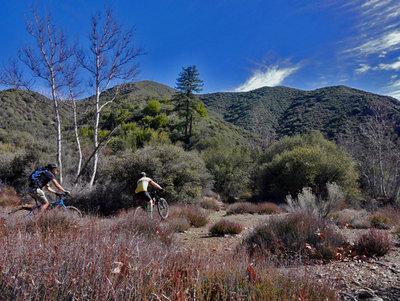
163,208
73,212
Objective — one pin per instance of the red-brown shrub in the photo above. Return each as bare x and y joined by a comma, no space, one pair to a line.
241,208
8,197
197,217
295,234
111,259
373,243
267,208
224,226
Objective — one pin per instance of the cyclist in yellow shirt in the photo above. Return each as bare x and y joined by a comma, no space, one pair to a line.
141,188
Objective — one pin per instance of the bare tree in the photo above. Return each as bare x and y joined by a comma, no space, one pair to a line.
45,61
377,153
112,55
12,76
69,69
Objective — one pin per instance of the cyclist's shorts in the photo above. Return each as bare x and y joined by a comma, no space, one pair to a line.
144,195
38,194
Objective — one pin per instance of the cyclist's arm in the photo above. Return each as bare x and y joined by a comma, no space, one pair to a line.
155,184
57,185
49,189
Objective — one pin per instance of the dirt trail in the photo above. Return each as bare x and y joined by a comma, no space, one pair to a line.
199,238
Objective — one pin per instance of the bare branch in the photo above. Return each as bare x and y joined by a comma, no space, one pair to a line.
13,76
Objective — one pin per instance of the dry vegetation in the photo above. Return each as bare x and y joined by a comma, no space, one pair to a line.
126,258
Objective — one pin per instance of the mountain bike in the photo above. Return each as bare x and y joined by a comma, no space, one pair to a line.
70,210
157,201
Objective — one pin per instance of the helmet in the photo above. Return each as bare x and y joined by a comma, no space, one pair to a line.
142,174
51,166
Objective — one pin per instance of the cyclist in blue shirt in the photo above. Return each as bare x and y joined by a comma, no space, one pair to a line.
39,179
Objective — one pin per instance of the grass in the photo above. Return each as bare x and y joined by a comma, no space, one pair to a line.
126,258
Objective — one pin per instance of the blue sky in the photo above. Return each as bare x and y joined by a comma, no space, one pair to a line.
240,45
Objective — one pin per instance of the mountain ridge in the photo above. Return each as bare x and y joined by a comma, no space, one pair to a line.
284,110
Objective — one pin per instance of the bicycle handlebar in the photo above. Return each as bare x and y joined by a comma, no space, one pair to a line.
60,195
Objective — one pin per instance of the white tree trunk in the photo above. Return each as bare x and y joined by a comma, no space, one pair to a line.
95,138
59,136
78,143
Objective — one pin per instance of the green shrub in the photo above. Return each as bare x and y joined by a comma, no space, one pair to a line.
305,161
224,226
230,165
379,221
209,204
182,175
152,108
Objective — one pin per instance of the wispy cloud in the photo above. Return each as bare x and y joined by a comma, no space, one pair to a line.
394,66
386,42
394,89
377,23
363,68
267,76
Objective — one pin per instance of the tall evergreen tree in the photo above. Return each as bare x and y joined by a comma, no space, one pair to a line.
188,104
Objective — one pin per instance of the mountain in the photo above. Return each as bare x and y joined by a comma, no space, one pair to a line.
144,90
27,117
289,111
239,116
27,112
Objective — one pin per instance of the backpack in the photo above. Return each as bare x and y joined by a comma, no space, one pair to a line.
34,177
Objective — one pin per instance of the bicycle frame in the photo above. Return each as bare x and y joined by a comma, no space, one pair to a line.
53,204
155,200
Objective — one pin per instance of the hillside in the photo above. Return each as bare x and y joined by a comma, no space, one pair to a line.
28,117
289,111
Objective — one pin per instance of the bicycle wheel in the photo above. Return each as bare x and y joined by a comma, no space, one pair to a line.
73,212
163,208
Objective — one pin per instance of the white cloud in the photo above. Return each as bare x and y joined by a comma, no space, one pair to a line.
393,66
363,68
394,89
387,42
388,67
272,76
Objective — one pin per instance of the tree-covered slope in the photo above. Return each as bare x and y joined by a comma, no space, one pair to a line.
28,116
289,111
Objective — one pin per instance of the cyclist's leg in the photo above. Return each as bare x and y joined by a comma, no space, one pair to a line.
144,197
40,197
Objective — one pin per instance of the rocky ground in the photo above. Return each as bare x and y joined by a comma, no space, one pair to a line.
356,279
